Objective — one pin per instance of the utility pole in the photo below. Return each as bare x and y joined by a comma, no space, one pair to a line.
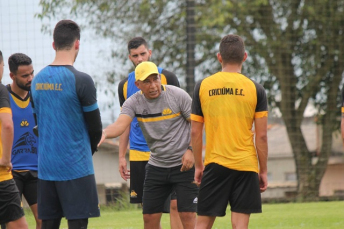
190,46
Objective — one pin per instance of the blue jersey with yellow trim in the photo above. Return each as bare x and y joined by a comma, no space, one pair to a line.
137,140
61,95
25,142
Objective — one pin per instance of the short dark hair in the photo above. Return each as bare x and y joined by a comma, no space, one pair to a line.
136,42
1,57
16,60
232,49
66,32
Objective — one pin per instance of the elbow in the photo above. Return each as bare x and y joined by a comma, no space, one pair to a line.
262,138
7,126
195,133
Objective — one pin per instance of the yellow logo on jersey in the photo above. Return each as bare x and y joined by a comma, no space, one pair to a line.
49,86
24,123
133,194
166,111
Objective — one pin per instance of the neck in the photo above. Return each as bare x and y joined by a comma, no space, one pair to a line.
18,91
64,57
232,68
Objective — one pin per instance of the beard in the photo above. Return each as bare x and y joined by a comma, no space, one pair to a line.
26,87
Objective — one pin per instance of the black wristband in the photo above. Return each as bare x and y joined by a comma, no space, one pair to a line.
190,148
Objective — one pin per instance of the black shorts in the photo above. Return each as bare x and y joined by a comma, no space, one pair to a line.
167,204
221,186
159,184
137,178
73,199
10,203
26,182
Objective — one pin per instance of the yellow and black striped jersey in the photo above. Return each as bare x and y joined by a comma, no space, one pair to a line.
5,107
228,103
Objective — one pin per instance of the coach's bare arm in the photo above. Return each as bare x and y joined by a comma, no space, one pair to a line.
117,128
122,151
261,141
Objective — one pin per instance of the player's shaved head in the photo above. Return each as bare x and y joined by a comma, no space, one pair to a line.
232,49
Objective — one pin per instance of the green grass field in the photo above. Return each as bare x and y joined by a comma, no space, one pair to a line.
324,215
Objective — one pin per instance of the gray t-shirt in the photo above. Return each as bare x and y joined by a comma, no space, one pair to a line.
164,124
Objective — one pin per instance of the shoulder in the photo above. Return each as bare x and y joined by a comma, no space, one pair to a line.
4,97
122,82
258,86
81,78
3,88
169,78
168,74
176,91
172,88
79,74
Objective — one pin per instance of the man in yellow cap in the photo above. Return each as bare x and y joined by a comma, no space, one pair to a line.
163,113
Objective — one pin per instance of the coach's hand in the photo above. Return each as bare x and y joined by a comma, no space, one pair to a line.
188,161
102,138
125,173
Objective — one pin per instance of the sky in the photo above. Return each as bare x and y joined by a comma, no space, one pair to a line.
20,31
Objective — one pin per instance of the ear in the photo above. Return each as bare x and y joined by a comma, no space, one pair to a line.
150,52
77,44
219,57
137,84
53,44
11,75
245,57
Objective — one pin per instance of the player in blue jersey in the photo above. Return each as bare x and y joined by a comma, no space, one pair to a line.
11,211
139,152
69,128
25,142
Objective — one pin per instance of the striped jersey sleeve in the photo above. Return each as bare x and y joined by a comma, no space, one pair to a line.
122,91
169,78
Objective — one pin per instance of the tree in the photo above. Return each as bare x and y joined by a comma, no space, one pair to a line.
295,49
301,44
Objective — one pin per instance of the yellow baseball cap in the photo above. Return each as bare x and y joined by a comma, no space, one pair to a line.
145,69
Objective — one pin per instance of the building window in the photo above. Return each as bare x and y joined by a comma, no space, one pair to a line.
290,176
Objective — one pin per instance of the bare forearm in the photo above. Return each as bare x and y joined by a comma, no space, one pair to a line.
123,143
7,140
117,128
197,142
262,151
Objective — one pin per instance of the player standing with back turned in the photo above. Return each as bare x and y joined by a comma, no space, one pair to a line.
69,128
228,104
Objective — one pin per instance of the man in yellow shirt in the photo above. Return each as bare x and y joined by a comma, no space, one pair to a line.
228,103
11,211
